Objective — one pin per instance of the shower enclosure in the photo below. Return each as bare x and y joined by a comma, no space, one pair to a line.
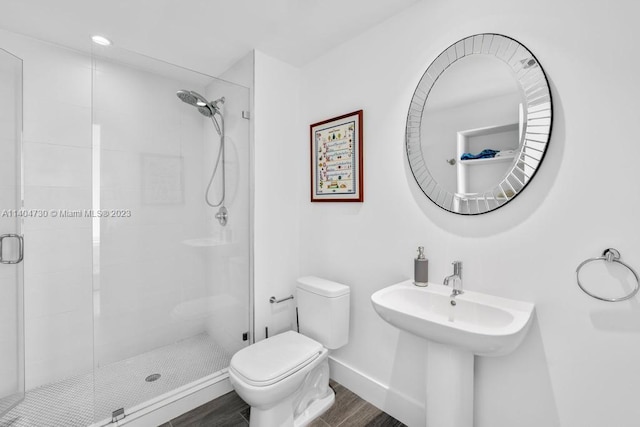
135,292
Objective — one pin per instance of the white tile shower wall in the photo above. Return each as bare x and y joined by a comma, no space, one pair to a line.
147,272
57,175
229,270
578,365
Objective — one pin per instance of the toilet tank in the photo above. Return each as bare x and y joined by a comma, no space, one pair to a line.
323,311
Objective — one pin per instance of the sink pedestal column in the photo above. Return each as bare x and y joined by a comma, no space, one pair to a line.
449,386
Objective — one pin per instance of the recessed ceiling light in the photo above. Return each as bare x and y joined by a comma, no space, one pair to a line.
102,41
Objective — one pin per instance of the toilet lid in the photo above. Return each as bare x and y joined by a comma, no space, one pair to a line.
268,361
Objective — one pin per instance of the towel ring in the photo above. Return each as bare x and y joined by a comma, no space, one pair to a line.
609,255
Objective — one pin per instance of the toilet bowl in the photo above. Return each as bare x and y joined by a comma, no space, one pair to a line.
277,378
285,378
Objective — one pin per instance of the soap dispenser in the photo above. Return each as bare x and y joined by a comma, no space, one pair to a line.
421,269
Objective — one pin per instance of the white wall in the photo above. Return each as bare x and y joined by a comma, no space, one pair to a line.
279,178
578,366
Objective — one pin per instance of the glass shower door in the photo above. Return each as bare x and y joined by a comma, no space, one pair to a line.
171,283
11,244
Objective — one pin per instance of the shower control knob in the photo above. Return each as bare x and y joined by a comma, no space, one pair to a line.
222,215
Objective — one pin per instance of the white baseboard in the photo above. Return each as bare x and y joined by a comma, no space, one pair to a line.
400,406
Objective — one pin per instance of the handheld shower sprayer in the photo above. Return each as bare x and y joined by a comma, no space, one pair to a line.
213,111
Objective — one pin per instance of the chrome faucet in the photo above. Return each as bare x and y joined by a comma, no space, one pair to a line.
457,279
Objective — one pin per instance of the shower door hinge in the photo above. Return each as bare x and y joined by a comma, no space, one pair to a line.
246,115
117,415
245,336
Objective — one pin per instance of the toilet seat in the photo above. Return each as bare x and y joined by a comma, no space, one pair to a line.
270,361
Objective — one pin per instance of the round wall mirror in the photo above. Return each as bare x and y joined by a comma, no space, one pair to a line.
478,124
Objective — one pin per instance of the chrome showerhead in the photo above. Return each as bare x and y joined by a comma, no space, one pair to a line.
211,108
187,97
206,110
216,104
192,98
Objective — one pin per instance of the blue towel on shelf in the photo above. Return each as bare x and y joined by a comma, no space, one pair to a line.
484,154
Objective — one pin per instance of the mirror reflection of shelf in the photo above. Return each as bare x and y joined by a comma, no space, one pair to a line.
472,202
472,197
504,138
497,159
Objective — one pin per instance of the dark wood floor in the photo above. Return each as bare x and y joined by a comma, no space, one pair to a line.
349,410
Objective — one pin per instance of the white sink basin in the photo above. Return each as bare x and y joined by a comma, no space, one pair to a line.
482,324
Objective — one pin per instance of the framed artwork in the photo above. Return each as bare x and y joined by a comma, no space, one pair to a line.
336,159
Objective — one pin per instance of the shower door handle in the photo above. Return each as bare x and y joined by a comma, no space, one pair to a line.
20,249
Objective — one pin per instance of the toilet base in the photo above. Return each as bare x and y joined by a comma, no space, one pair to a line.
314,410
312,398
281,415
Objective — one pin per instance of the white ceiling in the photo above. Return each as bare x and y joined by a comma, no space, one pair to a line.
206,35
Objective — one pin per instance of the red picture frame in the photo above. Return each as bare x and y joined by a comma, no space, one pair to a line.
336,148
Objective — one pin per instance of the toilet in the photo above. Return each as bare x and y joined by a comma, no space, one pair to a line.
285,378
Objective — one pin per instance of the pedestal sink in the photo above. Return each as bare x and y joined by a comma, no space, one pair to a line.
456,329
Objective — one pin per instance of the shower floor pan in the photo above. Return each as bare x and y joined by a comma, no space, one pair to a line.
124,384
